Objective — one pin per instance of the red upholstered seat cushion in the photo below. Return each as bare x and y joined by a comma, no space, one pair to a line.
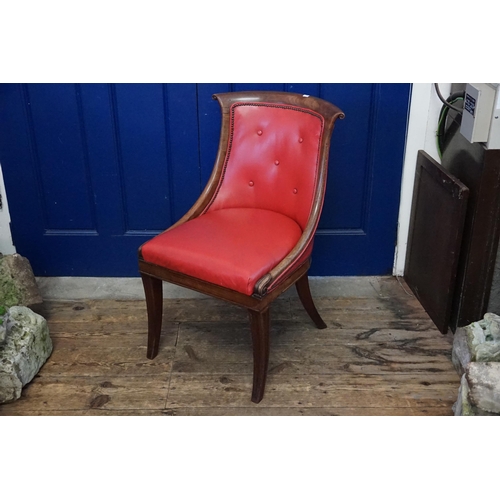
232,247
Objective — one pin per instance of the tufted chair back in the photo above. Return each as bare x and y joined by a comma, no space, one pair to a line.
272,160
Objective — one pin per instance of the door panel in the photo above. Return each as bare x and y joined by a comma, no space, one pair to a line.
348,175
358,227
139,121
91,172
59,152
94,170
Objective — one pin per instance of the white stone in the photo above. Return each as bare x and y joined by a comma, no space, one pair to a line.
483,338
494,325
28,345
460,353
475,334
484,386
464,407
476,356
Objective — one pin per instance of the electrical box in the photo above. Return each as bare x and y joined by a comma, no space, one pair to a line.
480,118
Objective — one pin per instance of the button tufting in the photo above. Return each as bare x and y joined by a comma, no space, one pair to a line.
259,132
277,162
295,191
250,183
301,140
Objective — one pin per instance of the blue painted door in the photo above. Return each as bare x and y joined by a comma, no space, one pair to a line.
94,170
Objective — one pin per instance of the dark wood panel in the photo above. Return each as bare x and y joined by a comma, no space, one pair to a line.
479,169
435,235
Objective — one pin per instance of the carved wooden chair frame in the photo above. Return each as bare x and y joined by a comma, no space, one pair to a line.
273,283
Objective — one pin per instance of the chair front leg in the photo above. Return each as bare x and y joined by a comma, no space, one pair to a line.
305,297
153,289
259,324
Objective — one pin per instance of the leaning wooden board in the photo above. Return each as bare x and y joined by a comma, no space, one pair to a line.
436,228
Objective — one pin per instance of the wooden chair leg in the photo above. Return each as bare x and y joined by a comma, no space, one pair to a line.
304,292
153,290
259,324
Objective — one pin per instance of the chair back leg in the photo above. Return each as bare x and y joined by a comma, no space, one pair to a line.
153,289
305,297
259,324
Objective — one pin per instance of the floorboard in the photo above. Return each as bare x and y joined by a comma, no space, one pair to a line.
380,355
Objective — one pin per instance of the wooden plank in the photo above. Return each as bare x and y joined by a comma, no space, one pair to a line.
107,329
318,411
135,310
367,313
94,310
302,333
345,391
253,411
407,356
85,393
107,311
112,362
105,340
66,338
98,412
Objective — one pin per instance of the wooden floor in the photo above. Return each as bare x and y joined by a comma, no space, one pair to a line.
380,355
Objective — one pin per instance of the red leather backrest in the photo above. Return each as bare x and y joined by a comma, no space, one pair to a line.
272,160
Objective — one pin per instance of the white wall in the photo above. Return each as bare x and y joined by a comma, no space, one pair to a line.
6,246
422,125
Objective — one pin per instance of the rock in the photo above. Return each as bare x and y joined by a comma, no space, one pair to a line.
476,356
463,406
483,380
3,323
17,283
28,345
493,322
483,338
460,353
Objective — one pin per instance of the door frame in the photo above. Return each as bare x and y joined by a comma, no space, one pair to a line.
6,244
424,110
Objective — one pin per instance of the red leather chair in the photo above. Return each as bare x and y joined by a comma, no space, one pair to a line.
249,236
